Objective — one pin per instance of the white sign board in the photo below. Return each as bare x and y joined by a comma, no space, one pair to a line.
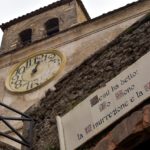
106,105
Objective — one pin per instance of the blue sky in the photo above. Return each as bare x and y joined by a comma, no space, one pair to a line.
10,9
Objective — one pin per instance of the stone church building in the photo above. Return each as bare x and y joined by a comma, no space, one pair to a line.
53,58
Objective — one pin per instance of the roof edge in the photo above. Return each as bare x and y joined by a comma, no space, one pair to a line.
41,10
59,3
73,27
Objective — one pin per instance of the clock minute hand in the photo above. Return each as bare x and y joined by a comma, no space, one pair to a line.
35,69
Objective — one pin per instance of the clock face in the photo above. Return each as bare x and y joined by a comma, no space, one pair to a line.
35,71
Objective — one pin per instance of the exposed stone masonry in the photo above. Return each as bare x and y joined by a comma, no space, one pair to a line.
94,73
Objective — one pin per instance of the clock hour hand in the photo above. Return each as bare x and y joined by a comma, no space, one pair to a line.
35,69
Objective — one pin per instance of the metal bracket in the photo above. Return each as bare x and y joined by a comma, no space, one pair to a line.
22,140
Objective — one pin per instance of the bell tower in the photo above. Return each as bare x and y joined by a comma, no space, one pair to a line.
42,23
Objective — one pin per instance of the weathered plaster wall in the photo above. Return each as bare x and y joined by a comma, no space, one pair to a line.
75,51
77,44
84,80
3,146
10,143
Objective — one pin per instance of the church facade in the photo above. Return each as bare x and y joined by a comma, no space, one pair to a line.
84,54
